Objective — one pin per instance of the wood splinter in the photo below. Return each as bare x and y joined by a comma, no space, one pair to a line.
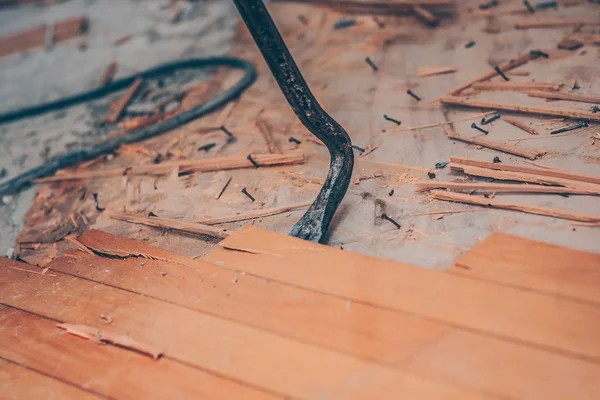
101,336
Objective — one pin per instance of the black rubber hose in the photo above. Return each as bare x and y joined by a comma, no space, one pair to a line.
21,181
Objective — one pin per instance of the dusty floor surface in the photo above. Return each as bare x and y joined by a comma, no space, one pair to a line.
42,75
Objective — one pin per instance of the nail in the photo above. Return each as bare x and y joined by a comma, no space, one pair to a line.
249,158
372,64
224,187
487,6
151,214
411,93
470,44
294,140
391,193
497,160
431,175
231,137
538,53
491,119
345,23
248,194
570,128
595,109
207,147
302,19
474,126
391,119
499,71
546,4
386,217
358,148
158,158
529,7
96,202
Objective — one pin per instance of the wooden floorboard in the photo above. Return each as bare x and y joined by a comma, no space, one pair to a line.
534,265
18,382
255,357
107,371
481,306
428,348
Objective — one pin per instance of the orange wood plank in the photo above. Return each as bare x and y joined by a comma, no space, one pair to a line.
227,348
540,320
430,349
108,371
21,383
530,264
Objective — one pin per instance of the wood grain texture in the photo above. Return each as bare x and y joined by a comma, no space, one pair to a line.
352,328
218,345
529,264
18,382
107,371
465,303
564,96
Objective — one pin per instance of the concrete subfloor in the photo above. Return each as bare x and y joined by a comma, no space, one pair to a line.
205,29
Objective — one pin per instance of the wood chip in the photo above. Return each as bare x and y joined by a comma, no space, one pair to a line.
415,128
520,125
109,74
184,166
551,172
102,336
78,244
521,109
506,148
553,23
267,212
431,71
426,16
168,223
267,131
502,188
526,208
515,86
564,96
119,106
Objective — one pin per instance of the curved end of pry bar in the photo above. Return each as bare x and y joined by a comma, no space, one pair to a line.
315,223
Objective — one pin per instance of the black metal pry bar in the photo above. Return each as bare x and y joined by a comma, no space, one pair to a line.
314,224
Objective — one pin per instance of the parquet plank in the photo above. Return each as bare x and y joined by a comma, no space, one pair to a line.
18,383
432,350
548,322
261,359
530,264
37,343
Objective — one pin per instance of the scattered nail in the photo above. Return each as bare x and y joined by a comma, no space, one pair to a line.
151,214
594,111
570,128
497,160
386,217
575,85
249,158
474,126
207,147
302,19
158,158
391,119
391,193
441,165
224,187
345,23
487,6
358,148
294,140
499,71
230,136
546,4
470,44
527,4
491,119
431,175
379,23
98,208
411,93
3,171
538,53
371,64
248,194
